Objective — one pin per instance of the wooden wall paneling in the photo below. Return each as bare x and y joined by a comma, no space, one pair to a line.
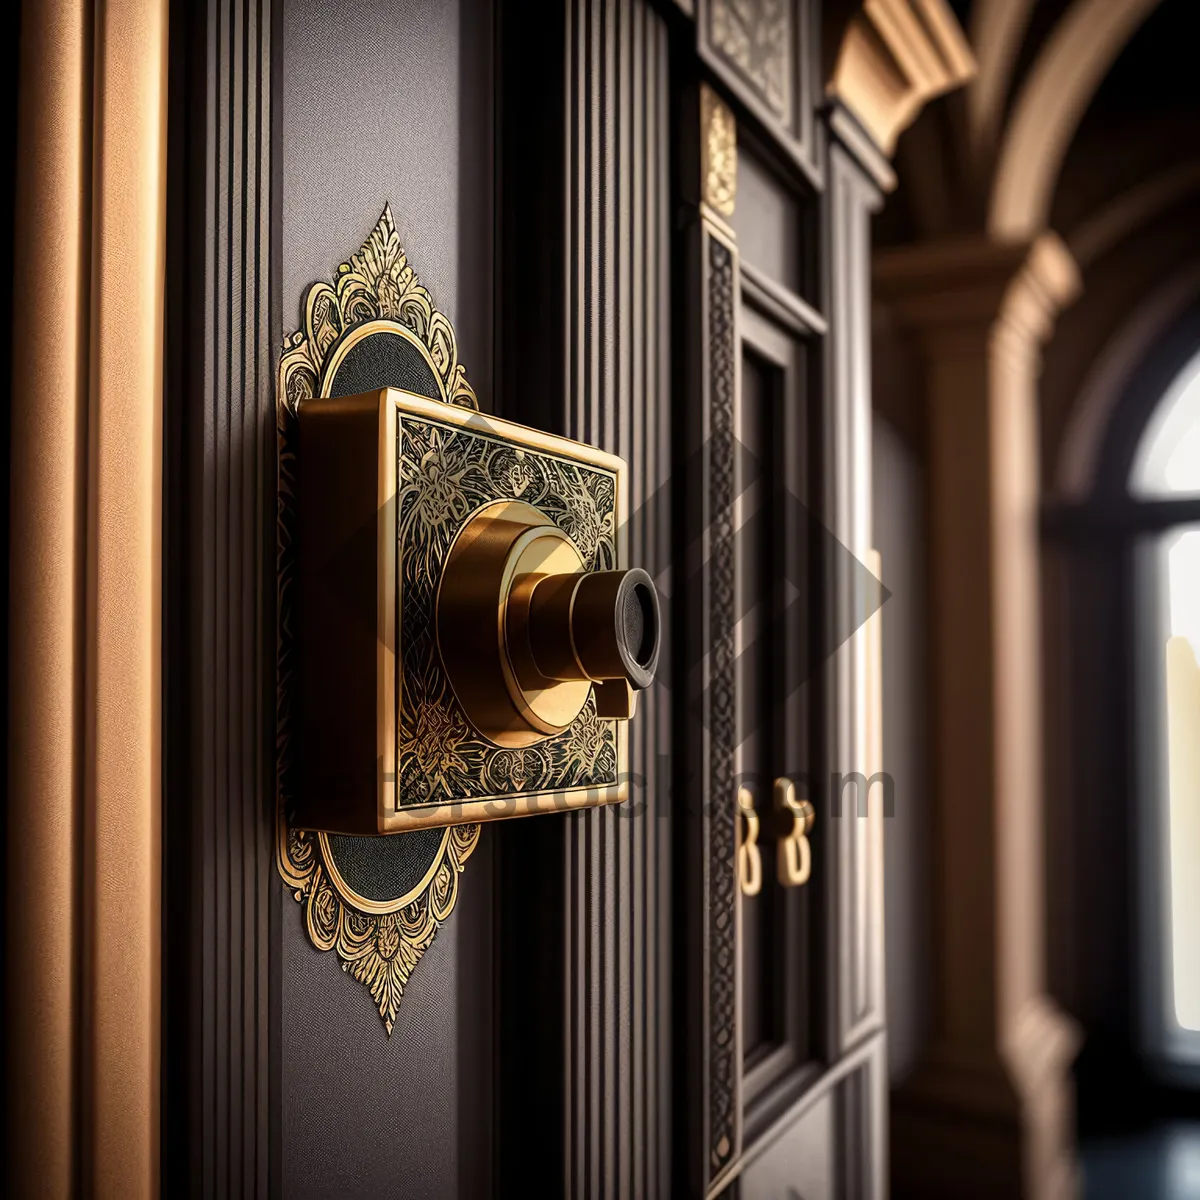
781,973
767,53
862,1145
803,1161
617,397
856,862
821,1146
585,235
220,1005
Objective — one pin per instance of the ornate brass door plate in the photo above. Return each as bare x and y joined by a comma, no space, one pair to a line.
417,519
433,483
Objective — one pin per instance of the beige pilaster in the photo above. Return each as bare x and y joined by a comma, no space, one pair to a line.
122,800
84,815
989,1112
46,566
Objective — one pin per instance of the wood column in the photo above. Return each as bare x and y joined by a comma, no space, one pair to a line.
989,1112
84,787
46,562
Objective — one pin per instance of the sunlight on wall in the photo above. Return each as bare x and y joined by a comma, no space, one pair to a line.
1183,758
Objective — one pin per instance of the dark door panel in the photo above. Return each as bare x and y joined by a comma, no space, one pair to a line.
386,104
603,1013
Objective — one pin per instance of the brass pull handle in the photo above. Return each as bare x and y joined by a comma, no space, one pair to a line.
749,857
794,864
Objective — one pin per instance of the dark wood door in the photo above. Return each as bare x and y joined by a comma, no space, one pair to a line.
294,126
648,236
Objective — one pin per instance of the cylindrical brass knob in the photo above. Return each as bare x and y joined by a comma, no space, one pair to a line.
597,626
525,632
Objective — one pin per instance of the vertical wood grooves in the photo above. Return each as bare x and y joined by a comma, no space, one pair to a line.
617,371
219,418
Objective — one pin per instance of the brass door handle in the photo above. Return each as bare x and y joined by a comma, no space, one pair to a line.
794,862
527,632
749,857
445,622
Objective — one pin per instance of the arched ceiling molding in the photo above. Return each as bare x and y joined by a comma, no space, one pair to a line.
997,27
1077,55
896,56
1109,376
1126,213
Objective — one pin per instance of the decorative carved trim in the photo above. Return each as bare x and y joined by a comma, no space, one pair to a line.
896,56
759,51
721,940
376,284
718,152
756,37
379,949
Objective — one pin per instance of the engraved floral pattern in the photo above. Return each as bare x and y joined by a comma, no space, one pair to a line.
377,282
756,37
440,759
380,950
444,473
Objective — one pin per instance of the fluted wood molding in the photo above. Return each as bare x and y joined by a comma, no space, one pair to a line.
221,1006
617,398
585,995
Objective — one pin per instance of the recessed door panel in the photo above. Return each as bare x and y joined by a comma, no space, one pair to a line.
779,1003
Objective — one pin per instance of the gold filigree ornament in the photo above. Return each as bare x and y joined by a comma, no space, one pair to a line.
377,902
718,152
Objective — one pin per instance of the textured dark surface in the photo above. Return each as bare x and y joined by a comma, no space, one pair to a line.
384,356
632,625
384,868
721,948
382,102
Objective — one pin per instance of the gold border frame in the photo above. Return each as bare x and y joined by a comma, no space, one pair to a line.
355,334
376,291
364,903
398,819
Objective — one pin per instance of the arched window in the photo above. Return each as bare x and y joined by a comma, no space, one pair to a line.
1166,469
1167,462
